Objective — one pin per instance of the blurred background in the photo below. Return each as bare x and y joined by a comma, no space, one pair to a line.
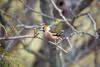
38,51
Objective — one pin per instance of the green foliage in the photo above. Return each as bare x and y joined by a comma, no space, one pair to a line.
7,60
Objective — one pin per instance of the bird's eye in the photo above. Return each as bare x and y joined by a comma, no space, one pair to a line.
42,28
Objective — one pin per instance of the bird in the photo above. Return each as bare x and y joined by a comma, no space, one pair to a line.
53,32
57,27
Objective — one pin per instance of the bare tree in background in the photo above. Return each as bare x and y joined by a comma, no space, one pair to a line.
52,53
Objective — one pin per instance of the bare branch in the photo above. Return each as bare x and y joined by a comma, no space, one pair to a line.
93,23
58,47
4,29
19,37
69,42
92,20
60,12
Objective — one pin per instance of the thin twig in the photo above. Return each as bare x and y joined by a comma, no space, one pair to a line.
93,23
4,29
30,27
18,37
58,47
70,44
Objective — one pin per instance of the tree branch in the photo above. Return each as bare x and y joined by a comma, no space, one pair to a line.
60,12
19,37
